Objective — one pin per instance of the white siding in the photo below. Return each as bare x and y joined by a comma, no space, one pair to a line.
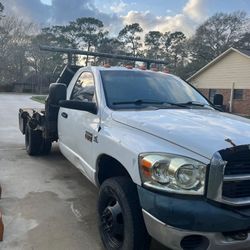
234,67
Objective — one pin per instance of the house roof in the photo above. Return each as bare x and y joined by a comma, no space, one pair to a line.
244,51
218,58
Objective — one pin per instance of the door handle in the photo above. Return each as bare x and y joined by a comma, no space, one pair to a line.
64,115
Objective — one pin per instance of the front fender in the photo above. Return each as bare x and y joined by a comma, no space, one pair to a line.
125,143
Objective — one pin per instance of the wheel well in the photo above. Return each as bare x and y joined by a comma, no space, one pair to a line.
108,167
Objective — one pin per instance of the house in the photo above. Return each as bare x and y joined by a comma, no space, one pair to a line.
229,75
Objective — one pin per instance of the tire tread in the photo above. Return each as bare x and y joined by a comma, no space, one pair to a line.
127,191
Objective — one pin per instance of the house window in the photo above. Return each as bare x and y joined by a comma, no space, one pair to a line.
238,94
212,93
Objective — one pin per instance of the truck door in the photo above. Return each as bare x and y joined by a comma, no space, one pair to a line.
82,126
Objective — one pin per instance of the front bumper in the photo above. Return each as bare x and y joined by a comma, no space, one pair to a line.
172,237
169,219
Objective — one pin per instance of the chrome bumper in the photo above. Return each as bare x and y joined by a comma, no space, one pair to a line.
171,237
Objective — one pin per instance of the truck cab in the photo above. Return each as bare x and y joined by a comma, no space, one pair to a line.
167,163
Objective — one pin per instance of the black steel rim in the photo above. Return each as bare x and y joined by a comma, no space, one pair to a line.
112,223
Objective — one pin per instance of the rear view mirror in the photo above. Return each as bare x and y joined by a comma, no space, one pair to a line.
218,100
79,105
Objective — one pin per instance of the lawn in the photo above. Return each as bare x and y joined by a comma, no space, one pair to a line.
40,98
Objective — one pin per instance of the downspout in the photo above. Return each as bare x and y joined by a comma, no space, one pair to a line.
231,98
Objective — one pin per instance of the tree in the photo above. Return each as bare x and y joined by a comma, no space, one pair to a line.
174,44
111,46
244,42
217,34
88,30
44,66
14,40
130,37
69,35
63,36
153,42
60,35
1,10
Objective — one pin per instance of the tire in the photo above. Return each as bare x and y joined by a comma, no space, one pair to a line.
33,141
121,223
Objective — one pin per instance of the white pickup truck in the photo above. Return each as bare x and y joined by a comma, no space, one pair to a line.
169,165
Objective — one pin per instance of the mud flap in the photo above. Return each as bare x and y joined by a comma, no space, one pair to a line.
1,227
1,220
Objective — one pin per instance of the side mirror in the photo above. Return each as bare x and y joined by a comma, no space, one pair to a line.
218,100
57,92
79,105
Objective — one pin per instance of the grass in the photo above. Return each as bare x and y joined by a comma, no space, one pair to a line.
40,98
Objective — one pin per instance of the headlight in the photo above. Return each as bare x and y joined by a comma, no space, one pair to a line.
172,173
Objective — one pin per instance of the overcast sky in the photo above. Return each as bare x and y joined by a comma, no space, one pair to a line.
162,15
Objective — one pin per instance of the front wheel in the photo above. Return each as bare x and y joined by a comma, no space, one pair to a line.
121,222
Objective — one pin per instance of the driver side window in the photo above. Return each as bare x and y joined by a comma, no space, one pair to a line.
84,89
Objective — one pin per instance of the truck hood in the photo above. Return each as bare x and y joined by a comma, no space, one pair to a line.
199,130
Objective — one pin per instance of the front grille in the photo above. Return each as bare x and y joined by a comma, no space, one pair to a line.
236,183
229,176
237,168
239,189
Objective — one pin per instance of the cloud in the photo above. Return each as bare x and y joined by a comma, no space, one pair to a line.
186,21
118,7
148,21
63,11
178,22
59,12
194,9
28,10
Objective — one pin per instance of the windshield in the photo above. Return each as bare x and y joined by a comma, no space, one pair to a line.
140,89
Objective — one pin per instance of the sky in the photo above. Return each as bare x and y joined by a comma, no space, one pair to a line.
161,15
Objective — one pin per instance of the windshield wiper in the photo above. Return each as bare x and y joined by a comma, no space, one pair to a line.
138,102
157,103
193,103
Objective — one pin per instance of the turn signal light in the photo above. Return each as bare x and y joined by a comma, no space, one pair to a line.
129,67
154,69
142,68
146,165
